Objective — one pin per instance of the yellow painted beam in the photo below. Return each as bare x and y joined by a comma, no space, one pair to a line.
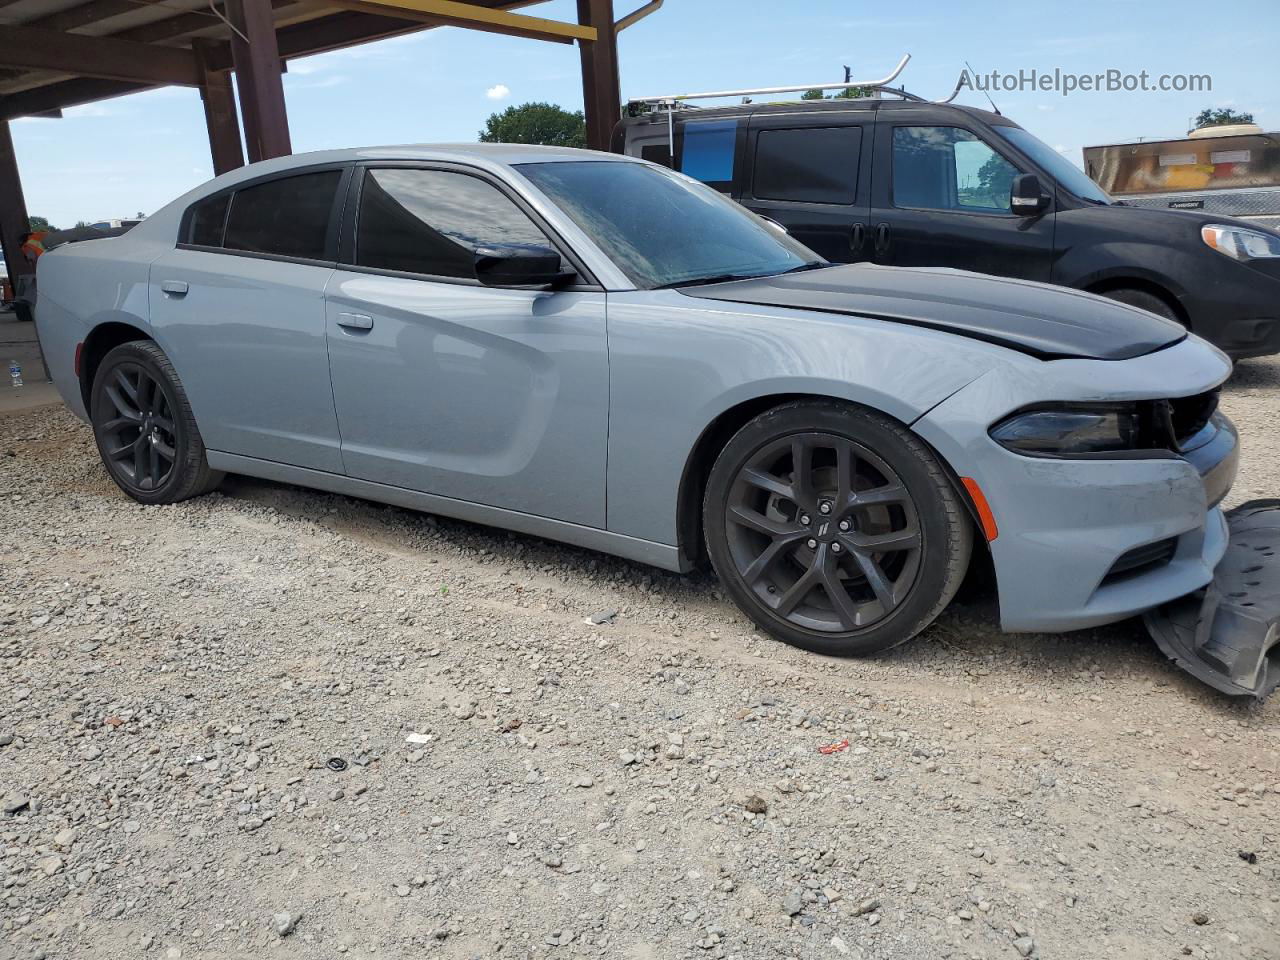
482,18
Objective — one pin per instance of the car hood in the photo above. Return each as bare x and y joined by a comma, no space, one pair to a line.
1035,318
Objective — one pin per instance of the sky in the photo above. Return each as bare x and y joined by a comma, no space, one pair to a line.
134,154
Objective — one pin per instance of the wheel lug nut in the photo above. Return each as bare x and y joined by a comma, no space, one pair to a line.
824,508
836,548
804,518
844,526
811,544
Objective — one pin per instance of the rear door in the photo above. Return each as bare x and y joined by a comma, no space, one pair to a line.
941,199
491,395
811,172
238,306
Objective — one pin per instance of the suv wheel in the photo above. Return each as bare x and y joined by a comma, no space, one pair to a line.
144,428
834,528
1145,301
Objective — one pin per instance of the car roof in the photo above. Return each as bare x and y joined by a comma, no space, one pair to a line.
840,105
502,154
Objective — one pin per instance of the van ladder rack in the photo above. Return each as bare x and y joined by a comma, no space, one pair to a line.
672,99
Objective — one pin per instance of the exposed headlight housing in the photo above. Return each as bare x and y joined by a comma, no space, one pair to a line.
1076,430
1239,243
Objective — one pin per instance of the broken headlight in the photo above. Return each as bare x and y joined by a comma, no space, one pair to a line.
1080,429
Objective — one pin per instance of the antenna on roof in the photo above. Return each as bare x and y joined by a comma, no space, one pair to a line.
984,93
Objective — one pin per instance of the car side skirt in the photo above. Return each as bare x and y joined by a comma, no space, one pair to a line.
630,548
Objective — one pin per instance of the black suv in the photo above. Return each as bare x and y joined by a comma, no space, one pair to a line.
921,184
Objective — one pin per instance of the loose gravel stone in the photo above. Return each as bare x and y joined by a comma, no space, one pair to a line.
521,783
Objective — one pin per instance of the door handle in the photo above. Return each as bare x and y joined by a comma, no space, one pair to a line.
857,237
355,321
174,288
882,238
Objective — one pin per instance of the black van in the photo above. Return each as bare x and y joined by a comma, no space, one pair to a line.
913,183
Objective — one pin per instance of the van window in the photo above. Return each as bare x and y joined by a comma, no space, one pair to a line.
808,164
709,147
432,221
288,217
947,168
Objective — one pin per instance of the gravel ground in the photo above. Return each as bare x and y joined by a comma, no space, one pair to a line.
522,782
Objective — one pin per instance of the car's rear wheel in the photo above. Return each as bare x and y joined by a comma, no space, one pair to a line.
834,528
144,428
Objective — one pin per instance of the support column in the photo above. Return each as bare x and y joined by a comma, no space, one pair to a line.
13,207
601,92
219,112
257,64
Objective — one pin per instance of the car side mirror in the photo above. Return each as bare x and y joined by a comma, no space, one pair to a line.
513,266
1026,199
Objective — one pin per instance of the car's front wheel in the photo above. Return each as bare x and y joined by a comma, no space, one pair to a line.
835,528
144,428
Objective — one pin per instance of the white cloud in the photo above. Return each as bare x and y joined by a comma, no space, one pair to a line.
499,91
88,110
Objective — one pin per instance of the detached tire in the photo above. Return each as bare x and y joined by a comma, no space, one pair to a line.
145,431
834,528
1145,301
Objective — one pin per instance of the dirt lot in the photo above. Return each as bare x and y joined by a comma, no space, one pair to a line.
522,783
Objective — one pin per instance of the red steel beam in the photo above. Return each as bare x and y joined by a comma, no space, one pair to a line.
256,58
100,57
601,91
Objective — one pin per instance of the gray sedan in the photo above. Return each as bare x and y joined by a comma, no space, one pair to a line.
599,350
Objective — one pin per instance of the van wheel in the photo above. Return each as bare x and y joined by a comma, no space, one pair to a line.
1145,301
835,528
145,431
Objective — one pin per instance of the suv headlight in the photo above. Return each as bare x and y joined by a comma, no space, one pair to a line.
1072,430
1239,243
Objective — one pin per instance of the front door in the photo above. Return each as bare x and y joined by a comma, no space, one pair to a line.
941,199
240,305
811,172
490,395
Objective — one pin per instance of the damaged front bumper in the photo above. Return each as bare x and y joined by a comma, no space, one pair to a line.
1227,634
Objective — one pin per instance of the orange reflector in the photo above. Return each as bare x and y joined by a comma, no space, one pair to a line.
79,351
985,516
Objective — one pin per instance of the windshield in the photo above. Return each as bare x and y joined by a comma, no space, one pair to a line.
1055,164
663,229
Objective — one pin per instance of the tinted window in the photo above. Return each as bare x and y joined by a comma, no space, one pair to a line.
661,228
288,217
708,150
947,168
431,221
808,165
207,219
658,153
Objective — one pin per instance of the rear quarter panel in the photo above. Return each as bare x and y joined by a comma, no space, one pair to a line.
80,286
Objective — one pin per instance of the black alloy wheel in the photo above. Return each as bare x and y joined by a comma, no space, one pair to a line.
824,532
144,427
139,436
835,528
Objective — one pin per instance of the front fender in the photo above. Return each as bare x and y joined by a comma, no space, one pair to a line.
677,366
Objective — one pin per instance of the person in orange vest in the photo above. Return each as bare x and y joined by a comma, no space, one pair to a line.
33,244
24,285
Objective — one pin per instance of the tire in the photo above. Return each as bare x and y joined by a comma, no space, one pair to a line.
1145,301
143,425
769,539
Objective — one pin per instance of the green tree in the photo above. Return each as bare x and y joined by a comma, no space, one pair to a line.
36,224
543,123
848,93
1220,117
